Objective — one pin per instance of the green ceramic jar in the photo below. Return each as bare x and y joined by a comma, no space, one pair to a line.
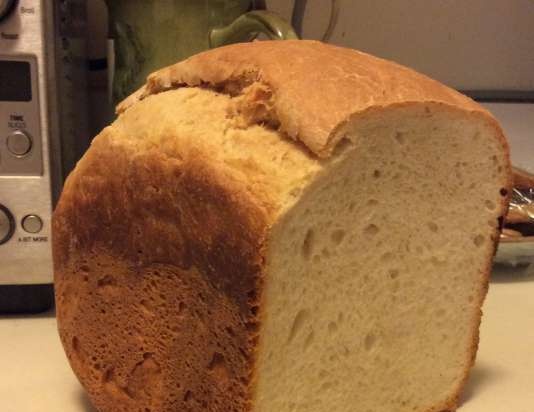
150,34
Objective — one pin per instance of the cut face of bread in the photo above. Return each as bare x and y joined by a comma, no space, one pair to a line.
377,275
216,252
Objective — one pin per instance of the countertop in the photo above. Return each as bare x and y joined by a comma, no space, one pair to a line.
35,375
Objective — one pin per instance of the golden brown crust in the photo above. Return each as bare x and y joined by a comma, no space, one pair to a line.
315,87
159,313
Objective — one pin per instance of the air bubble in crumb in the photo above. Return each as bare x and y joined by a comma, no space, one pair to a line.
369,341
393,273
337,236
433,227
343,144
490,205
308,244
400,138
478,240
298,323
309,340
376,174
325,386
438,261
371,229
332,327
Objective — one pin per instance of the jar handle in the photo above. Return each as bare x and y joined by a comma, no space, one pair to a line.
247,27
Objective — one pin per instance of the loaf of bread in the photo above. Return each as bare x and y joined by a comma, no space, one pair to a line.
280,227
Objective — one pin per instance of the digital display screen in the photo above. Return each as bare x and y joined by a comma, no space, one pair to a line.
15,81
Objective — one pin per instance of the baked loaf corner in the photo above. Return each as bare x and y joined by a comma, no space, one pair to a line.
281,226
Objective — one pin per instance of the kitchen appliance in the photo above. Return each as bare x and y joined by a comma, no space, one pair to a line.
152,34
43,127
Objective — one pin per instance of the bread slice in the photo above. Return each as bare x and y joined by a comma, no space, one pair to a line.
281,226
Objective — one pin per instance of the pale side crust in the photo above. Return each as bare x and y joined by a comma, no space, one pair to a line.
502,210
506,187
315,86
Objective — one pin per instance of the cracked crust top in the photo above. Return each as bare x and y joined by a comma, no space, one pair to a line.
290,72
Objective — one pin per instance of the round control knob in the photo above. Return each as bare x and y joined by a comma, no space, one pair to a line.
7,224
6,7
19,143
32,224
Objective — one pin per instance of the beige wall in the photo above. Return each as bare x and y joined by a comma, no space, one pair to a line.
468,44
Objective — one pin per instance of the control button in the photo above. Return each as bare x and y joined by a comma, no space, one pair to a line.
6,7
32,224
19,143
7,224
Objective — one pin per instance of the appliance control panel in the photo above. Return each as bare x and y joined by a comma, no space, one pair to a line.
20,134
42,122
26,59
